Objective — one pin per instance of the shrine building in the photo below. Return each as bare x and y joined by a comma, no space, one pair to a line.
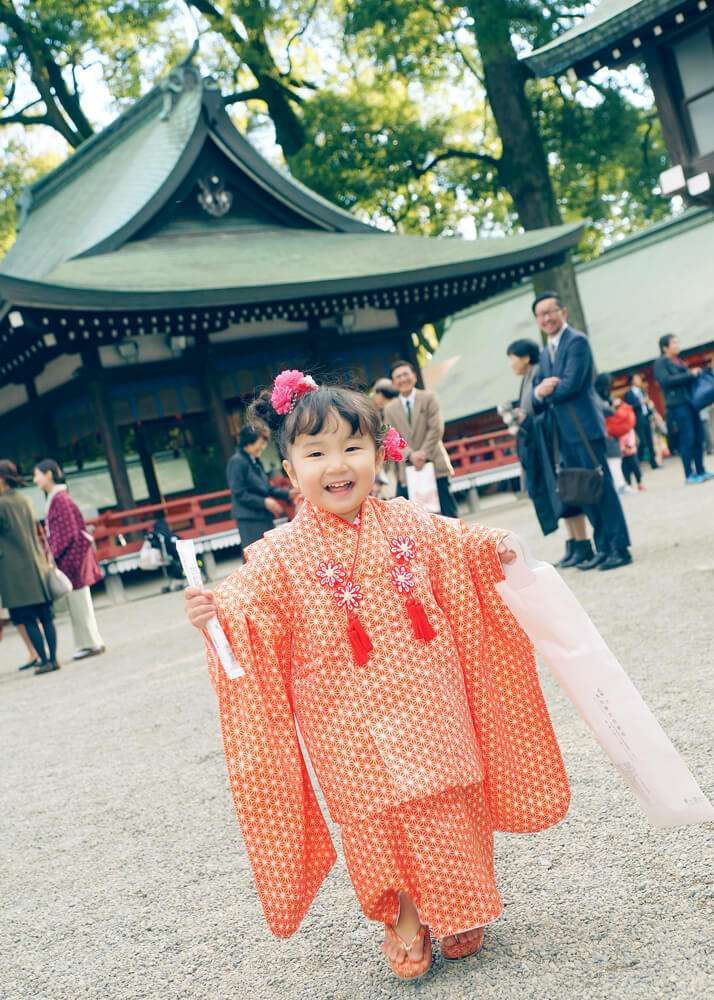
166,270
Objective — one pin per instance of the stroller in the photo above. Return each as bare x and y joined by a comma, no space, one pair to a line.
159,552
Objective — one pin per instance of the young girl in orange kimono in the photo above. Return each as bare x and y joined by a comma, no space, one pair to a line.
378,629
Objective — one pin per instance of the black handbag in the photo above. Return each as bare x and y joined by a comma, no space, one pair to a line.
578,487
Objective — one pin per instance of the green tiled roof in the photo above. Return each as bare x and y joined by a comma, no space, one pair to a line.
657,282
606,25
103,186
114,226
252,265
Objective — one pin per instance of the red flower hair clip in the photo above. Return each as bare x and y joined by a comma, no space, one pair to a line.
393,444
288,388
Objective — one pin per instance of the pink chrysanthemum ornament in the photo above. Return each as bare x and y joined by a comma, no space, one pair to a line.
393,444
288,387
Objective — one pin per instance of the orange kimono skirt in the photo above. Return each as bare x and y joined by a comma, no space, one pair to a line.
422,745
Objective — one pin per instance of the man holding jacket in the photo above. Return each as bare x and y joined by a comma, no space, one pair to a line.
564,385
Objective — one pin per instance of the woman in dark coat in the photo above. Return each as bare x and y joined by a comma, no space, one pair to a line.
534,446
72,549
254,502
24,569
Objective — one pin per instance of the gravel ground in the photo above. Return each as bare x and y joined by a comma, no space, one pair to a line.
124,875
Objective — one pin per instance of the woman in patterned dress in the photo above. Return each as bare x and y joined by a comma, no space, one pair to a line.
379,629
72,549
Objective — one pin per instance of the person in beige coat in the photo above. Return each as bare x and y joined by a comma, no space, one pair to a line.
24,569
416,414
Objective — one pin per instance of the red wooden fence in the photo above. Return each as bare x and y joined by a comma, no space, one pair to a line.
119,532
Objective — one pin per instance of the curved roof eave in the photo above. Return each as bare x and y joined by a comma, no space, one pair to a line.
37,294
604,27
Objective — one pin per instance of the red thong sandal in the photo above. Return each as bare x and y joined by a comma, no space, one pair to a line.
408,968
453,949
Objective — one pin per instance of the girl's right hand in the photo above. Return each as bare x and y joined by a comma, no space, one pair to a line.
200,606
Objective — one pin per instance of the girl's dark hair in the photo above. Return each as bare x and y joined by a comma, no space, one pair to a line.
525,349
49,465
312,411
8,472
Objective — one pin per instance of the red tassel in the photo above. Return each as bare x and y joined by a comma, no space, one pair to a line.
360,641
420,623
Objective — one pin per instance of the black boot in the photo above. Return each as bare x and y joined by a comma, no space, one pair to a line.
569,553
616,559
593,563
583,553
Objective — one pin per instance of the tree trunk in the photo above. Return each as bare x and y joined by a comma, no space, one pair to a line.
523,165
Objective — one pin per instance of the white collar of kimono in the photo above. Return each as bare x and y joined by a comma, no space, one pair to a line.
57,488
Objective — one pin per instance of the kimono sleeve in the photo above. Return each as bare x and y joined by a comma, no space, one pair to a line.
524,778
285,834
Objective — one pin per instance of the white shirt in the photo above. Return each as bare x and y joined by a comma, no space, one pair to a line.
411,399
554,342
552,345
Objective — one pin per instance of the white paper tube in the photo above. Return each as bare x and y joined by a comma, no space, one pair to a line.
590,675
222,647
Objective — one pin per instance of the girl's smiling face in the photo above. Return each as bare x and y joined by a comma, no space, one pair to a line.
335,468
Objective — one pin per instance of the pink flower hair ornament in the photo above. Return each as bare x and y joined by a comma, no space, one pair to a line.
393,444
288,388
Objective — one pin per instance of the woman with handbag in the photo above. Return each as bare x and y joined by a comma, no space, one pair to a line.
71,546
677,382
24,570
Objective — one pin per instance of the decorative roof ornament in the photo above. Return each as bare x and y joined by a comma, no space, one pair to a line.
182,78
213,196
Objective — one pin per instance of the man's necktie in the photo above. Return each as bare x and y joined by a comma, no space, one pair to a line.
409,411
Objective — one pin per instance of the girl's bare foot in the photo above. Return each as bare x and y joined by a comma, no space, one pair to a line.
406,942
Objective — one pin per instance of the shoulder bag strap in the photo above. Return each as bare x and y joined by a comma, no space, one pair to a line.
583,437
46,544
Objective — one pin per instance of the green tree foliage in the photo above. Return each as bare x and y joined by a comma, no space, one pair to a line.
391,108
18,168
47,45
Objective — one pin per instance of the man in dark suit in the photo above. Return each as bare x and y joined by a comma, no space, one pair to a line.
254,501
564,385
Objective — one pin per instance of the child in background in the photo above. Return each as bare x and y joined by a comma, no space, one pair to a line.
379,629
630,461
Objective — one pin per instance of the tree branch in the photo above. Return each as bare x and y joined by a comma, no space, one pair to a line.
459,154
256,94
19,119
301,31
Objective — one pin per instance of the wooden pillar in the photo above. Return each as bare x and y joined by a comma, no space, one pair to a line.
211,387
42,421
104,417
147,465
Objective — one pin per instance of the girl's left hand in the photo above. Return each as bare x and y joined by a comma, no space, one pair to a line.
506,555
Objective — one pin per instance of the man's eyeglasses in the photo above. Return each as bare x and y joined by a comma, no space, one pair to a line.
548,312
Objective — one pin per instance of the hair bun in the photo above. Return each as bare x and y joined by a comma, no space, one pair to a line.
261,411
